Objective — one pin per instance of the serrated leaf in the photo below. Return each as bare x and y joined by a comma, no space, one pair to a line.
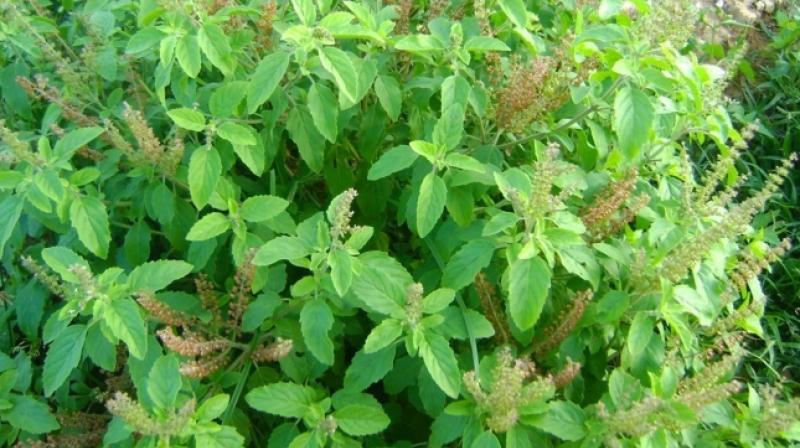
465,264
316,320
485,43
309,141
280,248
63,356
156,275
144,39
236,133
284,399
214,44
212,408
419,43
430,204
205,169
529,283
265,79
188,118
72,141
361,420
262,207
441,363
164,382
30,415
90,219
390,96
125,322
633,118
367,368
324,111
640,333
437,300
209,226
226,98
382,335
187,51
341,264
392,161
500,222
338,64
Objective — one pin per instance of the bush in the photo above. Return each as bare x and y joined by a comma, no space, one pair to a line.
353,224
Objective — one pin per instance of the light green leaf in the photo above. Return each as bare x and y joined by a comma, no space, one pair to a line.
61,259
212,408
382,335
609,8
123,318
486,440
426,149
63,356
265,79
361,420
284,399
633,118
252,156
338,64
205,169
219,437
144,39
367,368
381,284
516,11
226,98
30,415
10,210
316,320
640,333
341,270
419,43
485,43
324,111
309,141
390,96
449,128
188,53
465,264
72,141
236,133
441,363
188,118
90,219
500,222
529,283
564,420
392,161
215,46
305,10
280,248
262,207
464,162
432,198
438,300
164,382
209,226
157,275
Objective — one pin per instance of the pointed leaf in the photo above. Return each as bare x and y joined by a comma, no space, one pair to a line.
316,320
431,202
529,283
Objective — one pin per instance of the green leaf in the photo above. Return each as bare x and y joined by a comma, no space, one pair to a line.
188,118
640,333
284,399
164,382
209,226
219,437
305,10
432,198
441,363
280,248
438,300
485,440
63,356
156,275
226,98
529,283
90,220
339,65
61,259
392,161
123,318
10,210
309,141
212,408
449,128
499,223
383,335
367,368
464,162
390,96
205,169
188,53
100,350
144,39
65,148
361,420
262,207
265,79
324,111
426,149
252,156
215,46
485,43
316,320
465,264
633,118
609,8
30,415
341,270
419,43
564,420
236,133
258,310
381,287
516,11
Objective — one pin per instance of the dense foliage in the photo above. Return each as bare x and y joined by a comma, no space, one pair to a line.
337,223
